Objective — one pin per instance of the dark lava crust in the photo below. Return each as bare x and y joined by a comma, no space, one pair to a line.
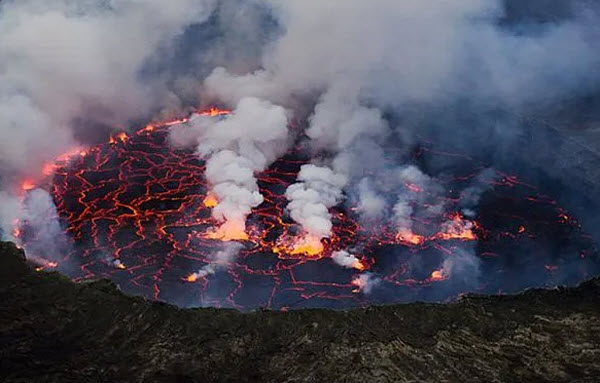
53,330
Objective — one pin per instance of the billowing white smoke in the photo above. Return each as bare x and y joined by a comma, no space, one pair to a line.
47,239
38,215
371,205
236,147
338,120
318,189
367,57
220,260
417,188
346,259
61,59
357,59
66,60
366,282
10,215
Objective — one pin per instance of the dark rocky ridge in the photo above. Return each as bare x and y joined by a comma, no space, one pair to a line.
53,330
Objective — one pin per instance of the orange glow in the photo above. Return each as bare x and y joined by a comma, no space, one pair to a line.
408,237
48,265
27,185
191,278
413,188
176,122
16,232
358,283
358,266
307,245
521,229
437,275
214,112
457,228
72,153
229,231
120,137
564,217
48,169
210,200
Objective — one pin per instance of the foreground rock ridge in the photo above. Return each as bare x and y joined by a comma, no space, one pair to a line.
54,330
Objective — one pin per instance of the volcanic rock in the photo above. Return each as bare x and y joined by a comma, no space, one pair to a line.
55,330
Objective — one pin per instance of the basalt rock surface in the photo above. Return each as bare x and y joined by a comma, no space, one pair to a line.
54,330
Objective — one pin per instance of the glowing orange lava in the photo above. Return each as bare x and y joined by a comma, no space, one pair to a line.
358,265
27,185
306,245
359,284
214,112
437,275
457,228
119,137
210,200
121,266
229,231
192,278
410,238
48,265
139,199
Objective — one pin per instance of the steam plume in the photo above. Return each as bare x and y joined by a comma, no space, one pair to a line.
404,53
236,147
219,260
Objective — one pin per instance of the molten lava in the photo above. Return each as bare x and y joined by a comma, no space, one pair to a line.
305,245
437,275
192,278
210,200
139,212
410,238
228,231
27,185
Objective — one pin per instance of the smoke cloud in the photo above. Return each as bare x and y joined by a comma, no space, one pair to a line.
365,59
70,67
236,147
318,189
365,79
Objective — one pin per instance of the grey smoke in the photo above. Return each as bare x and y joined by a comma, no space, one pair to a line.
364,58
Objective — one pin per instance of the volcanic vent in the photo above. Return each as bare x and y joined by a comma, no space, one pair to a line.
138,211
